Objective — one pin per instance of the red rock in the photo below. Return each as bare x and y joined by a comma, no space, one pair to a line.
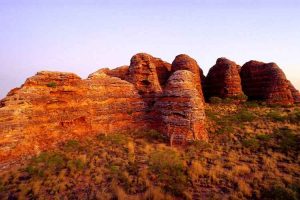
182,109
148,74
295,93
265,81
223,80
120,72
52,107
184,62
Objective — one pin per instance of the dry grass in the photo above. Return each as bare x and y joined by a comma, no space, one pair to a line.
250,155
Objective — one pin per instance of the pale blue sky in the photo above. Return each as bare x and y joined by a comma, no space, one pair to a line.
83,36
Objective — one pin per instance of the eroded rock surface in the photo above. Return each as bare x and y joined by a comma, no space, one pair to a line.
185,62
265,81
223,80
52,107
295,93
182,109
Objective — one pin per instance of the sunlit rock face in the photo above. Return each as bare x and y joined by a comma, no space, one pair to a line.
182,109
265,81
52,107
223,80
185,62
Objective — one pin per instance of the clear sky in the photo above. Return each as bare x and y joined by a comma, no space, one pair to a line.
83,36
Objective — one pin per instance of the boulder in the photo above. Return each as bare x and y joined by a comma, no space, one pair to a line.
223,80
265,81
185,62
148,74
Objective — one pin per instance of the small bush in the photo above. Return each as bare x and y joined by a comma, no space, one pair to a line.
287,140
251,104
265,138
215,100
294,117
276,116
245,116
118,139
52,84
72,145
252,144
170,170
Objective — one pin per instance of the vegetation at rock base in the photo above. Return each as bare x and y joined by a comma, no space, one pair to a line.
252,153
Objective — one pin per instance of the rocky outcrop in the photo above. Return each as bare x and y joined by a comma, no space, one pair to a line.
295,93
119,72
148,74
223,80
184,62
52,107
181,108
265,81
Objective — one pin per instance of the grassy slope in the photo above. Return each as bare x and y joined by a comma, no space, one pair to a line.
253,153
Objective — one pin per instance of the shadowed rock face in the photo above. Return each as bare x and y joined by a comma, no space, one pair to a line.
223,80
182,109
265,81
52,107
184,62
295,93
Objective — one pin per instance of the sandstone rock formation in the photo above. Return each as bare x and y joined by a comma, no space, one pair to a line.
120,72
223,80
148,74
184,62
52,107
295,93
182,109
265,81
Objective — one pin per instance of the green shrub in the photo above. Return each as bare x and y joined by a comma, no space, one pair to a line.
276,116
153,135
228,100
252,144
52,84
245,116
170,170
241,97
212,115
287,140
72,145
115,138
77,164
215,100
294,117
251,104
51,160
264,137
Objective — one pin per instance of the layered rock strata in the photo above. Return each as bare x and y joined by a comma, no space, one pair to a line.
52,107
181,108
223,80
265,81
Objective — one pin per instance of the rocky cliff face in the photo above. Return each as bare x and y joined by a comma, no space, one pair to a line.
265,81
181,108
51,107
184,62
223,80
